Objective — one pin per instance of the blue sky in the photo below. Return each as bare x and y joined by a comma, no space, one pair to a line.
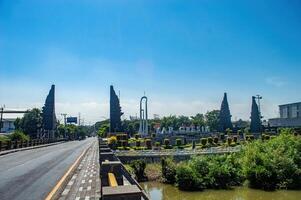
183,54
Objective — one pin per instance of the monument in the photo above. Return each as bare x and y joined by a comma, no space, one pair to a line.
115,112
225,116
143,128
48,113
255,126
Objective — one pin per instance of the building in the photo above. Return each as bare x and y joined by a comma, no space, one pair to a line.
290,116
8,125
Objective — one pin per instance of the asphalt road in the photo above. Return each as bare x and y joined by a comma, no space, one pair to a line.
33,173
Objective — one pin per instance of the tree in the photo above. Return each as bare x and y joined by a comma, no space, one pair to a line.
198,120
30,123
103,130
224,121
170,121
212,119
62,131
71,131
182,121
81,132
255,126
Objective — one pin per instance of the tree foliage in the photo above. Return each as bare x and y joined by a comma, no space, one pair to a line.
212,119
138,167
266,164
168,170
30,123
275,163
18,135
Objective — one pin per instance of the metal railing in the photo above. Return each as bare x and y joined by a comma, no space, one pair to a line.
167,152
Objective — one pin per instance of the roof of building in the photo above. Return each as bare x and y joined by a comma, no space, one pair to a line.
290,104
9,119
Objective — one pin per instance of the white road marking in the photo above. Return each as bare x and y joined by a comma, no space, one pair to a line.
65,192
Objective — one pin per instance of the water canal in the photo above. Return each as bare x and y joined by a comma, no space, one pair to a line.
160,191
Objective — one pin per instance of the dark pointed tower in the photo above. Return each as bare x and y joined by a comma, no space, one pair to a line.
225,116
255,118
48,111
115,112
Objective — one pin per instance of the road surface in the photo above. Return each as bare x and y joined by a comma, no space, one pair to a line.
33,173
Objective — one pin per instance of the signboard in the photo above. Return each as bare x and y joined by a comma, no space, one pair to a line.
72,120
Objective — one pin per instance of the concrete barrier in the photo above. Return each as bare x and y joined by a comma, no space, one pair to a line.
127,187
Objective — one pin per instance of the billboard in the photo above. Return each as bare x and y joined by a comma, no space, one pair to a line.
72,120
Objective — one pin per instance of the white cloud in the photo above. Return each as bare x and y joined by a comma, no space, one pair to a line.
275,81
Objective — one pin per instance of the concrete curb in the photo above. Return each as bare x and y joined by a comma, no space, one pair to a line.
2,153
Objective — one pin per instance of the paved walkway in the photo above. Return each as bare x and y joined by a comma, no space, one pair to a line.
85,182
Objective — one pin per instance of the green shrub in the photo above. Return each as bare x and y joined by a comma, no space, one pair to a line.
274,164
204,141
193,144
138,167
267,137
223,173
137,136
148,143
18,136
178,142
210,140
166,142
138,143
222,135
4,138
228,131
272,137
123,148
124,143
168,170
167,146
235,139
229,141
215,140
218,171
157,144
186,178
139,148
269,165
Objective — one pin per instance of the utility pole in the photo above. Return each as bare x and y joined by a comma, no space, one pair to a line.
1,116
78,119
64,115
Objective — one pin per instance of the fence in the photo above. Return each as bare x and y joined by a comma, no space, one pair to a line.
8,145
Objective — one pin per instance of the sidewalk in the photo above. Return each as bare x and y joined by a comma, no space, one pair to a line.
85,182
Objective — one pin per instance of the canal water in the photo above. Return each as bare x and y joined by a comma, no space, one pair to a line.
160,191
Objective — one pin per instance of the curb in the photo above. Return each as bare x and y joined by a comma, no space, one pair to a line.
61,184
2,153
